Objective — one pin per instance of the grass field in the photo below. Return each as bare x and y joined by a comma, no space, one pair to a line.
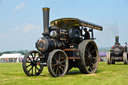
12,74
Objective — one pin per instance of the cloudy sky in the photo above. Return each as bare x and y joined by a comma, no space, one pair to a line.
21,20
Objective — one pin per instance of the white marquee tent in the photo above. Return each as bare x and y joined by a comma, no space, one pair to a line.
15,57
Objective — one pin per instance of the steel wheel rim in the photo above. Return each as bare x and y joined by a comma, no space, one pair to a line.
32,66
91,58
58,63
125,58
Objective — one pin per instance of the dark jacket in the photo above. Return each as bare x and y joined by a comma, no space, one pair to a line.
87,35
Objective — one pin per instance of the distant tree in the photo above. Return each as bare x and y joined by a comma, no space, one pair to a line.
23,52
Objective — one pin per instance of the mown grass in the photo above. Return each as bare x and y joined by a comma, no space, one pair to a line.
12,74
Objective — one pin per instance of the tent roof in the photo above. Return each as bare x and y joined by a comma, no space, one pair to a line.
15,55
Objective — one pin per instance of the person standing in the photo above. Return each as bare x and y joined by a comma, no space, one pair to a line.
86,35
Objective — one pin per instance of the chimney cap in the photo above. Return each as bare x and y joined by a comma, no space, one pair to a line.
45,8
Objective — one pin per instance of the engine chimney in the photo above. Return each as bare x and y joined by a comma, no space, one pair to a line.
46,21
117,40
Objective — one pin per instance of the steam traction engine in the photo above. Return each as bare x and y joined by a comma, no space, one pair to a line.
62,47
117,53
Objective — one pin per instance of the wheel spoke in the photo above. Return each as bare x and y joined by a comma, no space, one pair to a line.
86,58
28,65
87,52
54,65
90,46
62,65
93,51
59,56
93,57
29,58
54,58
56,70
95,61
62,61
37,68
61,68
37,58
92,66
30,69
33,56
59,71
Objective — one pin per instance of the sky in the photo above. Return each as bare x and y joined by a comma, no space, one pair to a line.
21,21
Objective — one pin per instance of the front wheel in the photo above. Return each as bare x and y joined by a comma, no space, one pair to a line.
57,63
31,63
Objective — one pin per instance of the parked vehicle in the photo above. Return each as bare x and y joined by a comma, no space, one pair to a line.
63,47
117,53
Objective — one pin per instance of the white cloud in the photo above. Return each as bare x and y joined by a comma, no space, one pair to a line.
19,6
29,27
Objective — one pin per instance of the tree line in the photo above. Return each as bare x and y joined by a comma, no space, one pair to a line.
23,52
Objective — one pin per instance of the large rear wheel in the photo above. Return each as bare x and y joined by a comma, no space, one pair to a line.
31,63
89,57
57,63
125,58
109,61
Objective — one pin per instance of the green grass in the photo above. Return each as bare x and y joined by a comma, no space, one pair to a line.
12,74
